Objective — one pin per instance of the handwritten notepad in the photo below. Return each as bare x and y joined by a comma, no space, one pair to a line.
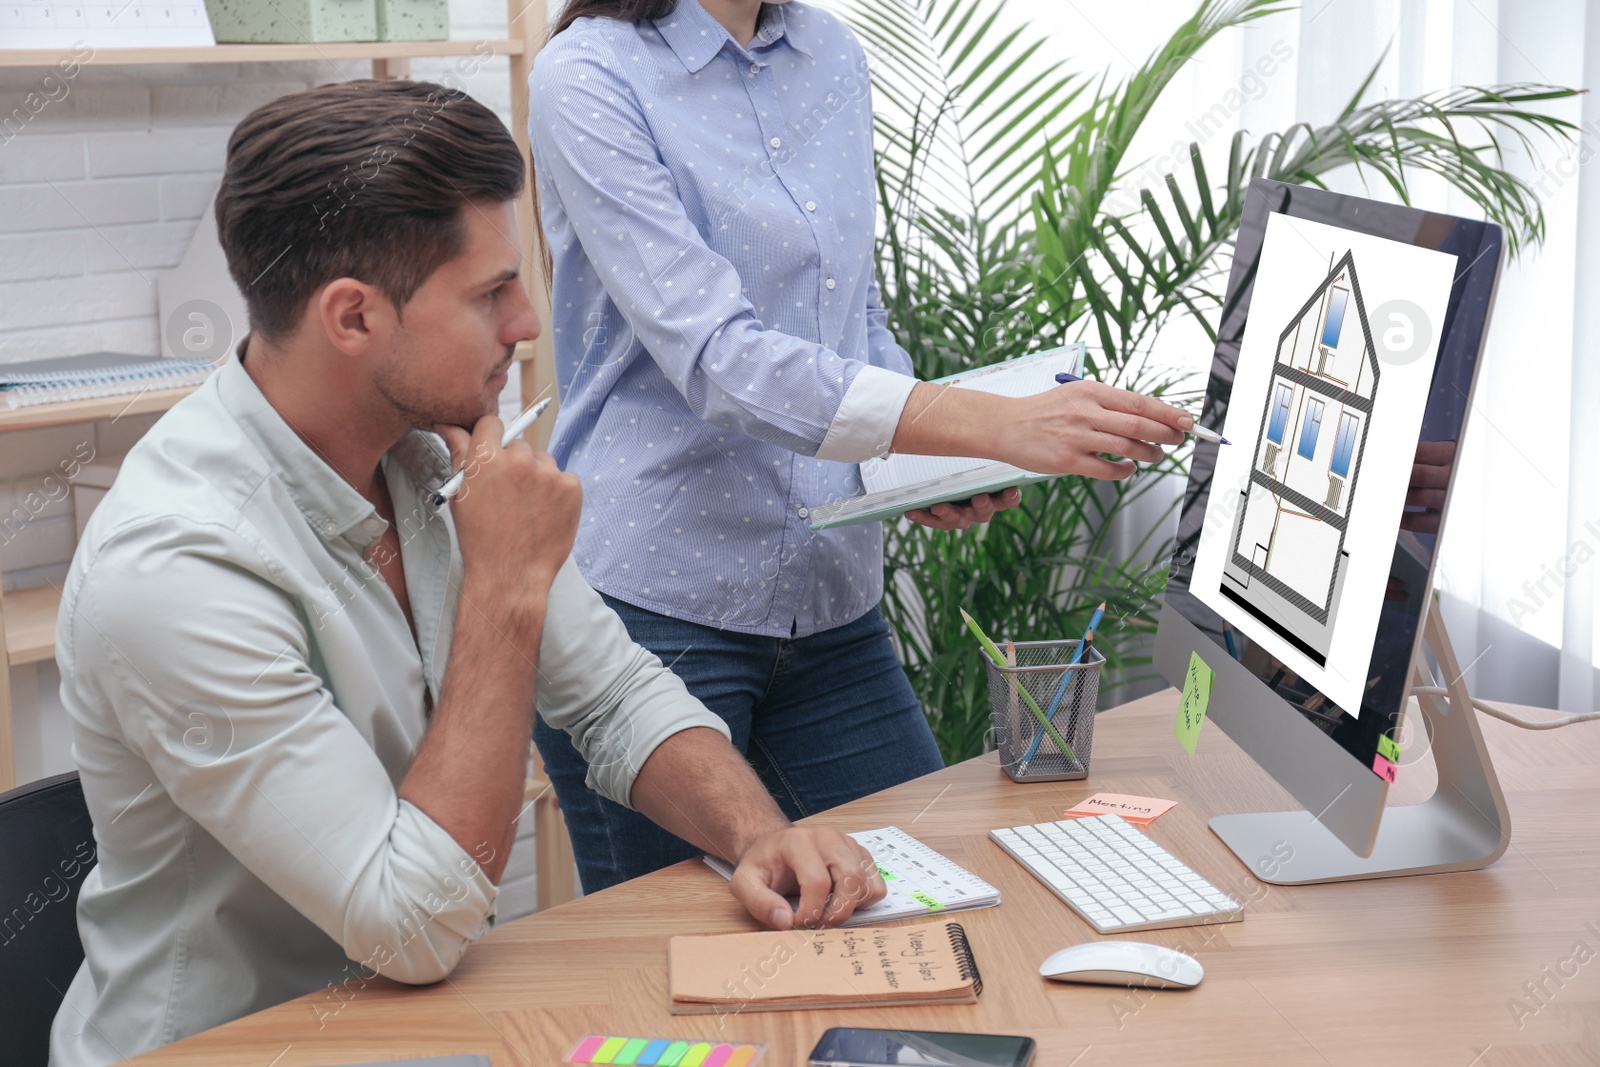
772,970
921,882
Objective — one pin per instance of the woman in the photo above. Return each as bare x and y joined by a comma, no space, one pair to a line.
706,174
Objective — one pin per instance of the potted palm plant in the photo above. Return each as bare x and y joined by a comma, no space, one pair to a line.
1011,222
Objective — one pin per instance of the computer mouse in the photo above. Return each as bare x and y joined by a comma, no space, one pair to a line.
1130,963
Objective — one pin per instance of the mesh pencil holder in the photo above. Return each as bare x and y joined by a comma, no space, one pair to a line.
1042,669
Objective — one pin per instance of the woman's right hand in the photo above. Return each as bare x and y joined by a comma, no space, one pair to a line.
1064,430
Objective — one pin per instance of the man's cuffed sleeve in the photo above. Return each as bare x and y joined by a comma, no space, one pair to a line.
219,696
613,697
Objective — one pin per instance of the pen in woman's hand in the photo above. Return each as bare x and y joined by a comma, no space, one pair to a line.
1199,431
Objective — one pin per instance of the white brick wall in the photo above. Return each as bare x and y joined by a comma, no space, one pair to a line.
101,187
100,190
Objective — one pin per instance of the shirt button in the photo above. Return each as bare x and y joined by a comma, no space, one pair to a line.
330,528
811,205
775,143
755,68
803,512
372,526
830,283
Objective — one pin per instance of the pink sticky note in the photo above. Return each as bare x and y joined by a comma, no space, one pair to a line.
719,1056
1383,768
1134,809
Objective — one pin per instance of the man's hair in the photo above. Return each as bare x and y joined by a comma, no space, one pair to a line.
365,180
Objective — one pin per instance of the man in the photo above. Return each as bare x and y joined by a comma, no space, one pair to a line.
301,699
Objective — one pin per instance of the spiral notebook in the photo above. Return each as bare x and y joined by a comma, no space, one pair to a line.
50,381
930,963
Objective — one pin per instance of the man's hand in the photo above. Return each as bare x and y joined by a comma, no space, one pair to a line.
515,520
1062,430
728,812
957,516
516,514
831,872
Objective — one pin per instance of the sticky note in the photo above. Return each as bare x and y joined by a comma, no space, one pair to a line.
926,901
888,875
1388,749
663,1052
607,1053
1139,810
629,1054
1192,707
1383,768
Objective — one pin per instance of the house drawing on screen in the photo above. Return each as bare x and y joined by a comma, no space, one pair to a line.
1287,561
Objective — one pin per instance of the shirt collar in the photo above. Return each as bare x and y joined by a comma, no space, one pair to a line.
332,506
696,37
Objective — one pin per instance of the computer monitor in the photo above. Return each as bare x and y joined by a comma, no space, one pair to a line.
1346,354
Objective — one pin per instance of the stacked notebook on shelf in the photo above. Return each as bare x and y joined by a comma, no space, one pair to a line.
51,381
898,483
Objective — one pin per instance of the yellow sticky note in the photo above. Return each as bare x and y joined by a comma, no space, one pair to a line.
1192,708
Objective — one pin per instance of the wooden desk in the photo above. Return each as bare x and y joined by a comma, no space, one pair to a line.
1404,971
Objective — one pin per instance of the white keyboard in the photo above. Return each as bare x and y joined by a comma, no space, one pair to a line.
1110,873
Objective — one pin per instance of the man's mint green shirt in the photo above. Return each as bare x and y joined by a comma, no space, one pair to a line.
245,697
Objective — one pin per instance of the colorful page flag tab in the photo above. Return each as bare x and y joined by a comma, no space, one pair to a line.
1388,749
1192,708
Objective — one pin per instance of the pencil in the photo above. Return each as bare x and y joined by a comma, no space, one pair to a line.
1033,705
1061,688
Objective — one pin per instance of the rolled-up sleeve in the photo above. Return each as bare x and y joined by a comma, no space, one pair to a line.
613,697
218,693
592,145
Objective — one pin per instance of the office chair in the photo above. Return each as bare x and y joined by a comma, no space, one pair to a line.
48,844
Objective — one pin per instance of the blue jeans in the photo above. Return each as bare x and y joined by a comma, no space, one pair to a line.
823,719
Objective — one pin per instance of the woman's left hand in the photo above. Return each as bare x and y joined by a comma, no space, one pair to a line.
980,508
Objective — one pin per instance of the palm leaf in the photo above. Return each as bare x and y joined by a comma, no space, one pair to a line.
1008,223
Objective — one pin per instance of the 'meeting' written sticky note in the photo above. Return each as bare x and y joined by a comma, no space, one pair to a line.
1192,708
1140,811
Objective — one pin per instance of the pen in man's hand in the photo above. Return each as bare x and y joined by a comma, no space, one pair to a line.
1199,431
518,427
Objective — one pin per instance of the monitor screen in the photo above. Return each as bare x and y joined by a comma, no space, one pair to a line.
1342,376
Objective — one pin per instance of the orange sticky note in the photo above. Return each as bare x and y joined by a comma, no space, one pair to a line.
1138,810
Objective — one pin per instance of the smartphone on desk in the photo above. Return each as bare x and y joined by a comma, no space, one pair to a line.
851,1047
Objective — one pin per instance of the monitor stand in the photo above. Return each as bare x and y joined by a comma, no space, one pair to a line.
1463,826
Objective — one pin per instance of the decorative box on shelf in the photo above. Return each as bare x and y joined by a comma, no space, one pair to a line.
413,20
292,21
